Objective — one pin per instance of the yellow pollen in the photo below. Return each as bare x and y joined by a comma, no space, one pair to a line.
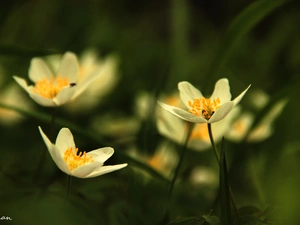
50,88
204,107
75,160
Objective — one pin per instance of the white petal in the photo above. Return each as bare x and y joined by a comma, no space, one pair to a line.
55,154
188,92
65,95
64,141
183,114
221,112
106,169
101,154
239,98
170,126
38,70
84,170
22,82
69,67
45,138
222,91
83,84
47,102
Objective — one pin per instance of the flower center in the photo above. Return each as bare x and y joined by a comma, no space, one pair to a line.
50,88
204,107
73,160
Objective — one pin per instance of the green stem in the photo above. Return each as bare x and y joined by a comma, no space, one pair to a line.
213,143
218,160
165,217
183,151
68,186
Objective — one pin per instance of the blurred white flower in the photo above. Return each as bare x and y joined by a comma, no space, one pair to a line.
144,103
163,160
258,98
204,176
90,64
240,127
201,109
264,129
12,95
54,90
82,165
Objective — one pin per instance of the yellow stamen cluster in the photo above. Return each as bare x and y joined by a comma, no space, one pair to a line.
50,88
204,107
73,160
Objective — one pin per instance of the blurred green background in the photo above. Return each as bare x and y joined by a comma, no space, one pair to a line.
156,44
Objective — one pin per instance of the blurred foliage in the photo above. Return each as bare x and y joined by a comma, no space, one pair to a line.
158,44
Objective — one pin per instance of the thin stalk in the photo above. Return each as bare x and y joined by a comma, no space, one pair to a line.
68,186
165,217
183,151
217,155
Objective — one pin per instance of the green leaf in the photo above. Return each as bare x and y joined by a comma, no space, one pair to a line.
249,210
224,189
212,220
199,220
242,24
250,220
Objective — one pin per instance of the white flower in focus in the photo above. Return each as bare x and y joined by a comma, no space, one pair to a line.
175,128
81,165
201,109
54,90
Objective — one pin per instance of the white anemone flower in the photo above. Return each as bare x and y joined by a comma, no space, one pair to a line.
201,109
91,64
81,165
54,90
175,129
